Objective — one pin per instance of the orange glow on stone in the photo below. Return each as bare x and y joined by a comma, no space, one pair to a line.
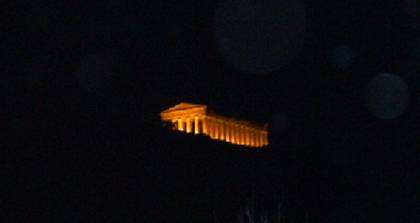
196,119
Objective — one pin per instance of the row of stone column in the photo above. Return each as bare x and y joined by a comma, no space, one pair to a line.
188,125
229,131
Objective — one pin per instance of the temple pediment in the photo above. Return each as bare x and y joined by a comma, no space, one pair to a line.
183,106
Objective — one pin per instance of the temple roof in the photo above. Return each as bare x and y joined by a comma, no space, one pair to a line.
183,106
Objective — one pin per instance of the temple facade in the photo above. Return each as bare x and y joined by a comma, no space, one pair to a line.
196,119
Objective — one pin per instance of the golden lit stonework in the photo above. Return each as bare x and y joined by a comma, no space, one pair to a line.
196,119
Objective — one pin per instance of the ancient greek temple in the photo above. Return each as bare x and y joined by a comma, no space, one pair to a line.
197,119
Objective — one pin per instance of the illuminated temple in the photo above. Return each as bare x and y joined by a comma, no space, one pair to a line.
197,119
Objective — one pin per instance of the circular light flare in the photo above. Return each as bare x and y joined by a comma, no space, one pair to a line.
387,96
259,36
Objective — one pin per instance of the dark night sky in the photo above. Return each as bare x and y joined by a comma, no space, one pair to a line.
337,82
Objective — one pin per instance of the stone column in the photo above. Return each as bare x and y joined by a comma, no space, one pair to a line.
196,125
219,129
210,128
247,136
222,131
262,138
241,135
254,138
204,124
238,134
180,125
250,139
189,125
258,138
232,133
216,129
244,132
227,132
